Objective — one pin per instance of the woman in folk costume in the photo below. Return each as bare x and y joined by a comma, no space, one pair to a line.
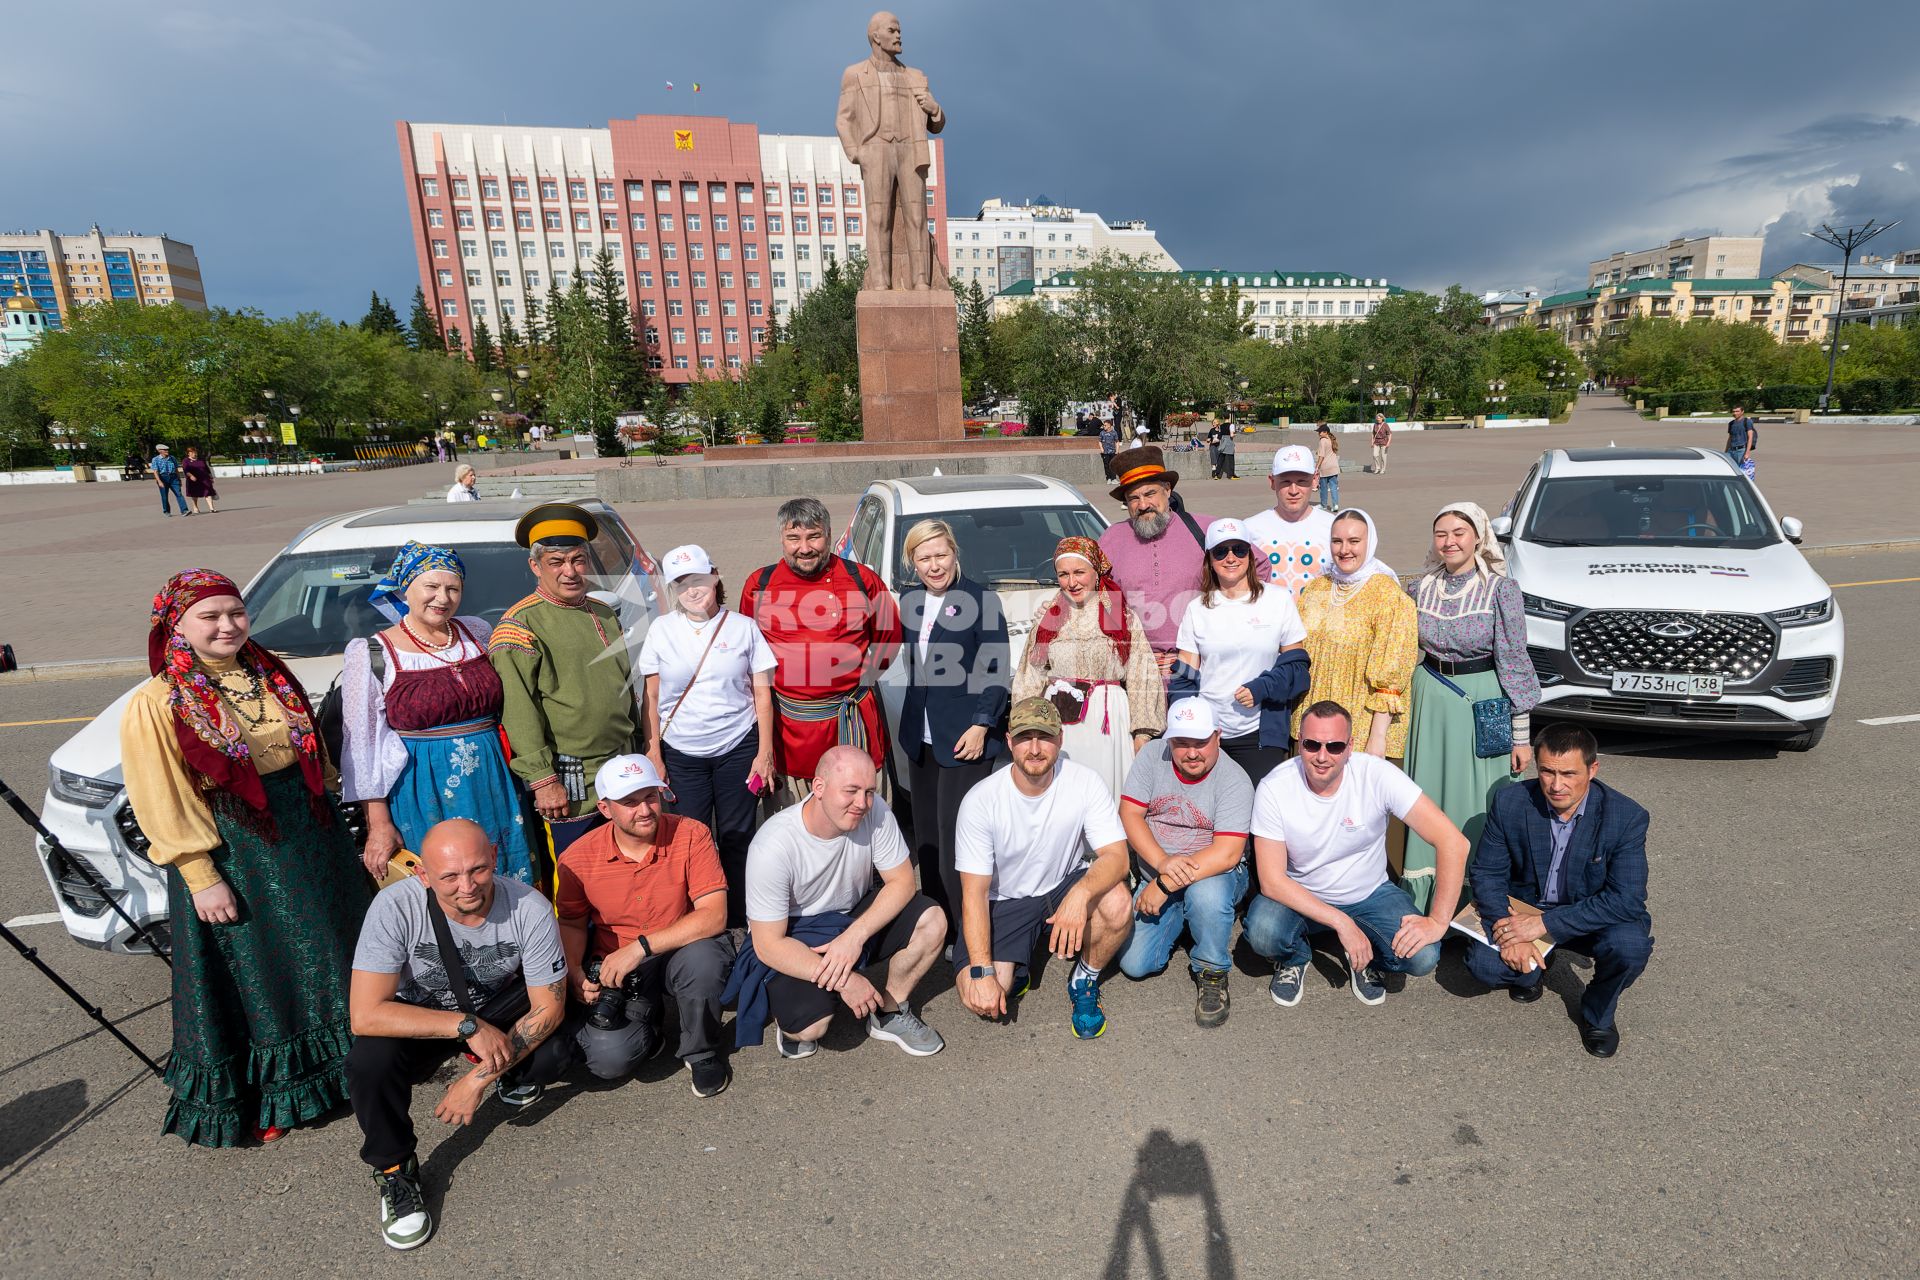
227,776
1362,639
1090,658
420,713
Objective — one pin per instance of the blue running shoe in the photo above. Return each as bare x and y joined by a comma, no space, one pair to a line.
1089,1019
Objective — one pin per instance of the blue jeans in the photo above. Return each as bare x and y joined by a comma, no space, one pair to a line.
1330,492
1205,908
173,487
1280,933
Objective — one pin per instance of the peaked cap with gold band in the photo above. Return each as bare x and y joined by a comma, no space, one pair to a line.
561,523
1141,466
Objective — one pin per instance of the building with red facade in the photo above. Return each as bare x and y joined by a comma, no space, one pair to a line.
717,227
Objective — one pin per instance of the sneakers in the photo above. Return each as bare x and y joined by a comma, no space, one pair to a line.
1089,1019
793,1048
902,1028
519,1095
710,1076
1210,1005
1289,980
1367,986
404,1220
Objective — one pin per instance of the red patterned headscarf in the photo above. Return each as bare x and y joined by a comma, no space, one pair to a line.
209,737
1112,604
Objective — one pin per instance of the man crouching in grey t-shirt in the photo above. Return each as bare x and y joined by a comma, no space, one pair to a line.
409,1016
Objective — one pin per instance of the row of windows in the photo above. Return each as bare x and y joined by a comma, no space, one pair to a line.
972,236
663,192
680,362
728,306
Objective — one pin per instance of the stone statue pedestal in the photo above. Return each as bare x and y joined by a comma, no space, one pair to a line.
909,343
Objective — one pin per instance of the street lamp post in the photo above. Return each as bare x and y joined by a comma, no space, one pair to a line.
1846,240
1496,392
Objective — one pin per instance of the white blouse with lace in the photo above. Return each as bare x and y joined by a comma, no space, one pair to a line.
374,753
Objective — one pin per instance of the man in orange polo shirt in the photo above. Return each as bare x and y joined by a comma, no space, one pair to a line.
644,898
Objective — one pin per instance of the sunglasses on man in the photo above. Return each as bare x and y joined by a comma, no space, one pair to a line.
1231,550
1309,746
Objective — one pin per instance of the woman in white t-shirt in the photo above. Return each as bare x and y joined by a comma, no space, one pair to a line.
1233,633
708,711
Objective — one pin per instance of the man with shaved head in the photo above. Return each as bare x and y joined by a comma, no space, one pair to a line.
816,919
451,959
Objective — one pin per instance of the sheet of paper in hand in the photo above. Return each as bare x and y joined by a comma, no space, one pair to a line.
1468,923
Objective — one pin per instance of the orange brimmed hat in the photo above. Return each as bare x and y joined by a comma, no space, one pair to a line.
561,523
1139,466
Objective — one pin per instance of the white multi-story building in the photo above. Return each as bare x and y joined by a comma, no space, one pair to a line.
1274,303
1005,243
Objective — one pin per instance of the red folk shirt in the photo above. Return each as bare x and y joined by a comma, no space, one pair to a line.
624,898
827,633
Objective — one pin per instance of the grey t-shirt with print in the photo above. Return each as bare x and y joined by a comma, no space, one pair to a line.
518,937
1185,816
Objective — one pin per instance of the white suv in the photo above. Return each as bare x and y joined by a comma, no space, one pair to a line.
307,602
1662,593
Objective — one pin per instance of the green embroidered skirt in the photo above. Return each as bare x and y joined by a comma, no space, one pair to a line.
260,1027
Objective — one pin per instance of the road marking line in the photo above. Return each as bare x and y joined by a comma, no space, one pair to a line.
1876,582
28,724
1877,720
46,917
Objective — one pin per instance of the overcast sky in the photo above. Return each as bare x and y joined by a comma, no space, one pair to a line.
1499,145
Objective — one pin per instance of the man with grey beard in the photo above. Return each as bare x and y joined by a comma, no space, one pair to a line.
1157,551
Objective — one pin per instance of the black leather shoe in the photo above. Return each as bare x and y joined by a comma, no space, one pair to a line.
1527,994
1601,1042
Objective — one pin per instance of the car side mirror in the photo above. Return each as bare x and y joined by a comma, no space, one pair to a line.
1501,528
1793,529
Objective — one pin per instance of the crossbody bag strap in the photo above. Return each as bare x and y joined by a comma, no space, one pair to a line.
1443,680
1193,527
449,955
719,624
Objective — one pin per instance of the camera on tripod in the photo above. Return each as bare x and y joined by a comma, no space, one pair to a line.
609,1011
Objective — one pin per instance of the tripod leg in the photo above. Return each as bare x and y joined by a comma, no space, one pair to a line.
93,1011
79,864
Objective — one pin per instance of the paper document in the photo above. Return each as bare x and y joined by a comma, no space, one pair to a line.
1468,922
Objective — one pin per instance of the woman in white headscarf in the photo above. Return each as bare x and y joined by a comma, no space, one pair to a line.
465,485
1361,639
1473,645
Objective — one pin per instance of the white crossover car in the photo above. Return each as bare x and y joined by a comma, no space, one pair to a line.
1007,527
1663,593
306,604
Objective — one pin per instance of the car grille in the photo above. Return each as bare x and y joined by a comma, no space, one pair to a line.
1806,678
1738,646
75,888
1545,669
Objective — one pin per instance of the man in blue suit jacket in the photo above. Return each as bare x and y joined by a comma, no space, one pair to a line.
1576,849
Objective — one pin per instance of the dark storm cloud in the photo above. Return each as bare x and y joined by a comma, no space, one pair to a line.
1493,143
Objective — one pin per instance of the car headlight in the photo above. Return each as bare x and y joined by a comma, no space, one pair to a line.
1804,615
78,788
1541,607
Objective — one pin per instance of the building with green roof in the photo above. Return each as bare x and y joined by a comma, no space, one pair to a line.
1792,310
1274,302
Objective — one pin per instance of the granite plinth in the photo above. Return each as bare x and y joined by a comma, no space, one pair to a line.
909,342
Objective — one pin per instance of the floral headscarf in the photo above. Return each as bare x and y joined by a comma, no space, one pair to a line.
1489,561
390,593
1112,604
210,738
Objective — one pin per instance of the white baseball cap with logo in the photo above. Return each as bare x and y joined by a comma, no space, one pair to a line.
1226,530
1190,718
1293,457
683,562
623,776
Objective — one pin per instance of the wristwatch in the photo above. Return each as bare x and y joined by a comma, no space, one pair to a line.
468,1026
646,946
979,971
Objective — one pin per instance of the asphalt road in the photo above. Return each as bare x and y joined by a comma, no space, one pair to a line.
1760,1120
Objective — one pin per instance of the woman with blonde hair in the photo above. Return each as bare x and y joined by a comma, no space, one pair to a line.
466,484
1475,686
1090,658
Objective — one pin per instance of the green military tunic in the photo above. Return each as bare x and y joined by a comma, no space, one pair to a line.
567,680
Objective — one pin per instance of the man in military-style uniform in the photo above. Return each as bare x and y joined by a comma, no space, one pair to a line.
569,698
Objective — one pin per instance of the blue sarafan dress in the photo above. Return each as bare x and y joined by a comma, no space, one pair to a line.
425,738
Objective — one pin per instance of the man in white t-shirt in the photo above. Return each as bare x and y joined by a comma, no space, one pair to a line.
816,918
1292,539
1021,848
1320,841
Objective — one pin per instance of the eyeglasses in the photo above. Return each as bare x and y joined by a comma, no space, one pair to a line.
1309,747
1231,550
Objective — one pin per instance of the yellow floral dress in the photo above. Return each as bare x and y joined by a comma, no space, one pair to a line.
1364,642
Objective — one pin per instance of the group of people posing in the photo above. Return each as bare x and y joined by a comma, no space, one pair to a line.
1213,720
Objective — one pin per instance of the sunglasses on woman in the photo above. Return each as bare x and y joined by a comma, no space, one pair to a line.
1233,550
1309,747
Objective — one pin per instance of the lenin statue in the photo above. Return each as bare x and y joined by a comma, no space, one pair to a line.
885,116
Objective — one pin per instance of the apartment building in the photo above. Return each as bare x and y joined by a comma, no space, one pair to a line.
1699,258
61,272
1791,310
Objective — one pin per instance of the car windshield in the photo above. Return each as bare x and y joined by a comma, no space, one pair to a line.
1657,511
1008,546
310,603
